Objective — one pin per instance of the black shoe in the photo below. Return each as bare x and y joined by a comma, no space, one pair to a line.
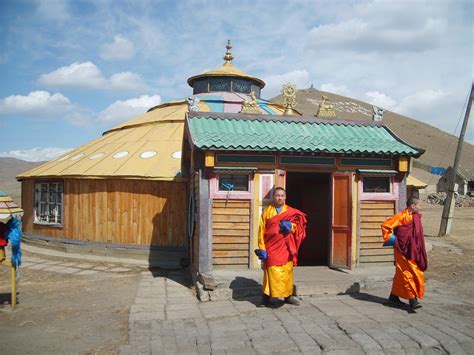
266,300
414,304
395,300
292,300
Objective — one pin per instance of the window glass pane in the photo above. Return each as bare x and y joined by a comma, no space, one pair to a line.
200,86
241,85
219,84
378,184
228,182
49,202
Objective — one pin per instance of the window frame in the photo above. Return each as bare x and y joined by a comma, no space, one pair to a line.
231,195
58,206
379,196
390,184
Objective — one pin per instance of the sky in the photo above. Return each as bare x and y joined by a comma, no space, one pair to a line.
70,70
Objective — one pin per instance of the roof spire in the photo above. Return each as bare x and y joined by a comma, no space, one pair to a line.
228,56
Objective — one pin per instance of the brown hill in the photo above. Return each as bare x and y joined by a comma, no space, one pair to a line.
440,146
9,168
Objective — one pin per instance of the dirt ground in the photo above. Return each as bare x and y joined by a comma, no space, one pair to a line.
452,259
72,314
66,314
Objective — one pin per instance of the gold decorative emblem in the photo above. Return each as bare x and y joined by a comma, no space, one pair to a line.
289,99
325,109
251,106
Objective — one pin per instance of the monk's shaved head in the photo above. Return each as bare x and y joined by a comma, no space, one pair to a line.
412,201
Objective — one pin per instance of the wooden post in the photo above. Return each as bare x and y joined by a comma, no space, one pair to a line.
447,217
13,299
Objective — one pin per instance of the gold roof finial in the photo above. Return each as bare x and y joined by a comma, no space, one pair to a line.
289,99
325,109
228,56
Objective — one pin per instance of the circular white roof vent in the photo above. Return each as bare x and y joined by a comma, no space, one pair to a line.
120,155
96,156
78,156
148,154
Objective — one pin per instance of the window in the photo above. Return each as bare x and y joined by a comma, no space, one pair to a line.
377,184
49,202
233,182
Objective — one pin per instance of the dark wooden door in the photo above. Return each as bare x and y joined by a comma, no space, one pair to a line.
341,229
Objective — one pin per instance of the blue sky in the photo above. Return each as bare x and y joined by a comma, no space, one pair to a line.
72,69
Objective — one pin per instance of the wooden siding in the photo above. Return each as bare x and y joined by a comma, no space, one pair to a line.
138,212
194,188
372,215
230,233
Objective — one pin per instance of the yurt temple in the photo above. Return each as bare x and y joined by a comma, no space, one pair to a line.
188,179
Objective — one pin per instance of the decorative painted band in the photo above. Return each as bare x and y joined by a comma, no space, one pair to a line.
244,158
365,162
289,159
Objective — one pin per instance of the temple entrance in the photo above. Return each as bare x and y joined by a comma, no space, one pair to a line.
311,193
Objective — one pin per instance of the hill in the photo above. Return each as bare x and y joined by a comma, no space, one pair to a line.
440,146
9,168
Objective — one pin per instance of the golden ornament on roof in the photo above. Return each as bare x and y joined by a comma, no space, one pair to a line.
289,99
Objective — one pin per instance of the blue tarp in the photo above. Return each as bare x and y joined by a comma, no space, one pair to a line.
437,170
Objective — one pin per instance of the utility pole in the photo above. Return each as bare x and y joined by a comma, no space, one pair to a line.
447,217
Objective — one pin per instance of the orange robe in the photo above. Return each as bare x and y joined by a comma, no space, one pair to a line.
277,280
409,280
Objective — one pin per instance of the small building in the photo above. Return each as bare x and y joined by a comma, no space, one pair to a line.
464,184
415,186
346,176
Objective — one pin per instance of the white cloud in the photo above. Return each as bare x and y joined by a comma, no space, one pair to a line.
421,99
35,154
37,103
122,110
336,89
380,99
127,81
88,76
274,83
82,75
120,49
381,26
56,10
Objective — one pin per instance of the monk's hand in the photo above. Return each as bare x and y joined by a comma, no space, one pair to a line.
285,227
262,254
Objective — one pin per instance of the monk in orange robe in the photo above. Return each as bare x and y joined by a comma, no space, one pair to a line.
406,232
281,231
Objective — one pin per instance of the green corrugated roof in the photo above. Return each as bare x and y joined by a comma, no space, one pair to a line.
244,133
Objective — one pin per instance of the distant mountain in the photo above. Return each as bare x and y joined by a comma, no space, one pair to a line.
9,169
440,146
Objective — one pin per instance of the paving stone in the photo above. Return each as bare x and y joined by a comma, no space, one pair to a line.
381,337
187,314
420,337
119,269
85,266
39,266
68,270
53,268
87,272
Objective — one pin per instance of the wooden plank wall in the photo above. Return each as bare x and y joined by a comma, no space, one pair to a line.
372,215
194,187
230,233
140,212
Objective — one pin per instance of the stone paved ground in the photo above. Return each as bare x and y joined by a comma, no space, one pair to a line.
166,318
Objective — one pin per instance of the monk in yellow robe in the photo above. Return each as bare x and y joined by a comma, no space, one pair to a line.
405,232
281,231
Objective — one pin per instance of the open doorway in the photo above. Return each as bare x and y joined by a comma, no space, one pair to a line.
311,193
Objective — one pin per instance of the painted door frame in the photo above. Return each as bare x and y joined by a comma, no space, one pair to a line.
340,244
